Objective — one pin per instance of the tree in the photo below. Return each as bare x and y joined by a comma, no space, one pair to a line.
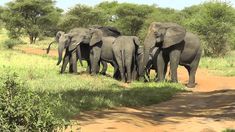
32,17
131,17
160,15
82,16
214,22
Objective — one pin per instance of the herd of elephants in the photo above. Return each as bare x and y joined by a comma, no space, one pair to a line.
164,43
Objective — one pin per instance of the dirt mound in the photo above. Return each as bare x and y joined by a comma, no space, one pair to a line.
210,107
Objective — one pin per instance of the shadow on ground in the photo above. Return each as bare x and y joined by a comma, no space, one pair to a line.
216,105
74,101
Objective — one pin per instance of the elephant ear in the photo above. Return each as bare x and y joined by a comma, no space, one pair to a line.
71,45
58,35
174,35
136,41
96,37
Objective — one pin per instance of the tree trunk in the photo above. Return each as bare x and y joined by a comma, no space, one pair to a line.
31,39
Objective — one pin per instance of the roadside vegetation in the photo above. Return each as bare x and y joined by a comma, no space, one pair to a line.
224,66
82,92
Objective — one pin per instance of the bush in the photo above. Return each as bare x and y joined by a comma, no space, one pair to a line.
214,22
25,110
10,43
229,130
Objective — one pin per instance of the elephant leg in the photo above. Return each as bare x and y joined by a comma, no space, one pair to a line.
104,69
192,69
116,73
74,62
129,68
134,74
95,57
65,62
121,68
88,69
70,66
161,67
174,62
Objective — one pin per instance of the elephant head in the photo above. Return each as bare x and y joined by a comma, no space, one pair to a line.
96,36
57,37
72,41
162,35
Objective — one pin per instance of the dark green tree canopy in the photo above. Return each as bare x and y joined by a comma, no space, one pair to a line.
31,17
214,22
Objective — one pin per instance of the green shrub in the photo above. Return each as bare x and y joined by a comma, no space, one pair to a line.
25,110
228,130
214,22
10,43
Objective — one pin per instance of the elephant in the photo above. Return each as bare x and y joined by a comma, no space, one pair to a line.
125,50
76,43
176,46
72,54
150,64
101,50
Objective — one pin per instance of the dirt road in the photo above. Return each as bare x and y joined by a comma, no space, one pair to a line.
210,107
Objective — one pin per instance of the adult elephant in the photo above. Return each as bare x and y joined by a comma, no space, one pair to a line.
76,45
67,42
101,50
176,46
125,49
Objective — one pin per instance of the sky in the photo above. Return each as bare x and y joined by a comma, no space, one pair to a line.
176,4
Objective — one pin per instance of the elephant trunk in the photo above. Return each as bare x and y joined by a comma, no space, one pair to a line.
60,53
149,44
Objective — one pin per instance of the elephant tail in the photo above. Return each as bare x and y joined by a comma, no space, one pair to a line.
123,58
49,46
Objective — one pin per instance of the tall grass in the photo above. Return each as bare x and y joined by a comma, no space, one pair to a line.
222,66
82,92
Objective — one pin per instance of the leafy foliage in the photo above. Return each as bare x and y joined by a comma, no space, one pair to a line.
10,43
82,16
24,110
228,130
213,21
130,17
31,17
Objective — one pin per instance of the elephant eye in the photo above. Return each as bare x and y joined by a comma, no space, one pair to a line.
157,34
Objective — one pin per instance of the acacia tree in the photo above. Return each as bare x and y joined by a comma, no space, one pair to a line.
130,17
82,16
32,17
214,21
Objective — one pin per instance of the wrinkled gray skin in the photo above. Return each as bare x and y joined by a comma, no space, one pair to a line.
71,43
76,43
125,51
87,40
176,46
150,65
101,50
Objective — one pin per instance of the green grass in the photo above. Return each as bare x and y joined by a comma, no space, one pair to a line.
224,66
229,130
82,92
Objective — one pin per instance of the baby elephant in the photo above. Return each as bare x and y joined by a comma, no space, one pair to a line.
125,51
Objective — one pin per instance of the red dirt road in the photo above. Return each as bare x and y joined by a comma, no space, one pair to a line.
210,107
